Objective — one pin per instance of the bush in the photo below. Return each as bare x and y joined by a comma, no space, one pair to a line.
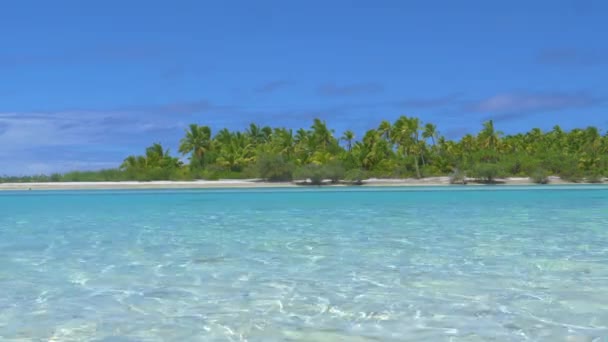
355,176
211,172
349,161
316,173
594,178
487,172
312,172
540,176
404,168
273,168
334,171
181,174
571,174
458,177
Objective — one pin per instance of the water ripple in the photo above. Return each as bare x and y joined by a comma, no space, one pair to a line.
305,266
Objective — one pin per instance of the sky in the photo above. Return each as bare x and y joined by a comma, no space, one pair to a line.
83,84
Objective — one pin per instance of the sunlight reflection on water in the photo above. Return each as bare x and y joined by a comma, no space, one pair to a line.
305,265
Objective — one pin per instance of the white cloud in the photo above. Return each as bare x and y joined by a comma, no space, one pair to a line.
30,167
43,142
532,102
25,131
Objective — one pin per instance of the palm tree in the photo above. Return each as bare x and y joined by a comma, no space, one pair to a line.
281,141
157,156
592,134
372,150
406,135
223,136
131,163
348,137
385,130
197,142
391,145
302,147
467,146
302,135
489,137
155,151
430,131
256,134
322,136
266,133
237,154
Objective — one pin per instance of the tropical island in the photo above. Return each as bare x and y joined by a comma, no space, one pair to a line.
406,148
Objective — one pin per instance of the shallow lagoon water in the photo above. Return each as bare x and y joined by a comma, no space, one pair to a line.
336,264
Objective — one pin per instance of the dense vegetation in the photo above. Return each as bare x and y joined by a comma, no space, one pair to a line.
404,148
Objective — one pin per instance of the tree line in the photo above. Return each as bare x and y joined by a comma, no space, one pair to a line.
404,148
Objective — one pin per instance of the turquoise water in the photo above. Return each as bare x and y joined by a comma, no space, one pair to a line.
432,264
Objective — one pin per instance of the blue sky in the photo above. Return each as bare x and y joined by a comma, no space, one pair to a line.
86,83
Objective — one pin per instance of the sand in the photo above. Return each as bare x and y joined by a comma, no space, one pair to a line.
245,183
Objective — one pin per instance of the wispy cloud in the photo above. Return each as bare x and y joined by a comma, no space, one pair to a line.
36,141
20,131
344,111
3,127
331,89
572,57
79,139
430,102
272,86
175,108
33,167
521,103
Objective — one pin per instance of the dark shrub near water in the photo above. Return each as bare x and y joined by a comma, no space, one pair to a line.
317,174
458,177
487,172
355,176
540,176
274,168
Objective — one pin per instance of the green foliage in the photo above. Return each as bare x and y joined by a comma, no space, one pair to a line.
197,141
571,173
458,177
406,147
594,178
519,165
25,179
334,171
355,176
181,174
540,176
274,168
487,172
212,172
316,174
313,173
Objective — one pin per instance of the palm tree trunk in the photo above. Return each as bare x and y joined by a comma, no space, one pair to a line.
417,169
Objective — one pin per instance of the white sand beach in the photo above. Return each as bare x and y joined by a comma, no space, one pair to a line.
248,183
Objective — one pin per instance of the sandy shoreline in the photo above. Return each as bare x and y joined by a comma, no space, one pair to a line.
246,183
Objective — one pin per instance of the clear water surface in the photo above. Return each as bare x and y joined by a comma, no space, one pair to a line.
421,264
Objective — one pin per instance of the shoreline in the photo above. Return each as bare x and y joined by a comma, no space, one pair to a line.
254,183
